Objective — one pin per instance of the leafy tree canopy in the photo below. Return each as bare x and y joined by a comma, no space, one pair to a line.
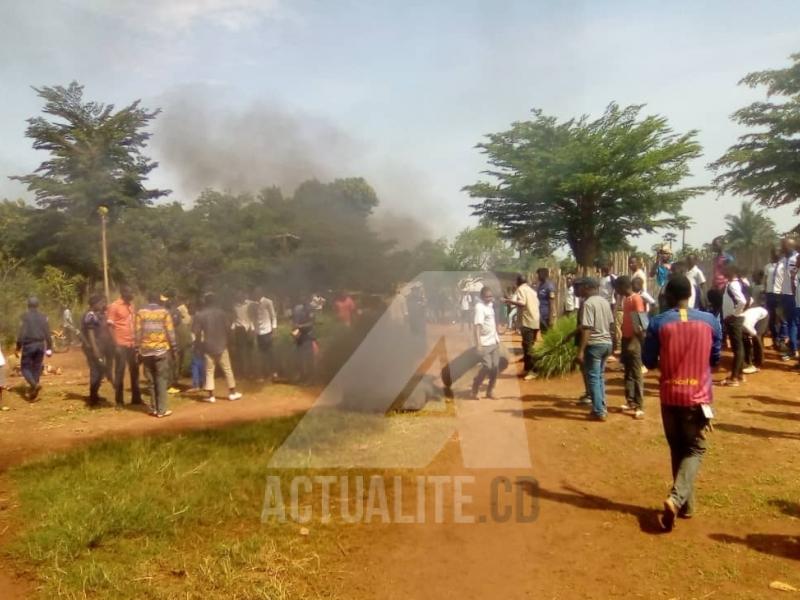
587,184
765,164
95,157
481,249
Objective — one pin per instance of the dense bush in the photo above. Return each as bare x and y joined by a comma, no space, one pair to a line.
556,355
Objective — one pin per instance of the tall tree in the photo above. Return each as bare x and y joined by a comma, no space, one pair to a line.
481,249
765,164
749,233
586,184
95,154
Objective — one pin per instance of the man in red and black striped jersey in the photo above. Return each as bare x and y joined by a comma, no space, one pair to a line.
683,344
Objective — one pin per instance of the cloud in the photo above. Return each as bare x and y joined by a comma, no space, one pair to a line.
163,16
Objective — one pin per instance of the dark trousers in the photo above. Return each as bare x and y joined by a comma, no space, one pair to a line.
125,357
97,371
242,352
544,322
777,326
733,325
266,359
634,381
684,430
528,340
158,371
754,346
32,362
790,319
305,360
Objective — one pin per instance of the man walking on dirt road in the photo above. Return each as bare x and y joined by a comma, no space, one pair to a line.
684,344
33,342
487,342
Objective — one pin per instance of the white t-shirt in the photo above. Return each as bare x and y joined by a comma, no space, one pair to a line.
640,274
485,323
696,276
570,302
607,289
753,316
466,301
733,301
773,277
787,266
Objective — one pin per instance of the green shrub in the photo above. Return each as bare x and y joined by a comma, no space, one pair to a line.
556,355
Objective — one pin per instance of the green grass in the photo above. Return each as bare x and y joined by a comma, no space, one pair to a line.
165,517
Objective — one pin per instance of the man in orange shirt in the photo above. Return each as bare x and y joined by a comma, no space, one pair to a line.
633,328
121,317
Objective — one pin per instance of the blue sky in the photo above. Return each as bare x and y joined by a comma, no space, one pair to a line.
259,92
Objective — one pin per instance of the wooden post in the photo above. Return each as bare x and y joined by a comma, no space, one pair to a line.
103,217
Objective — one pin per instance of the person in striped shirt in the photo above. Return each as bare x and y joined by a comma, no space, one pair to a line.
155,343
683,344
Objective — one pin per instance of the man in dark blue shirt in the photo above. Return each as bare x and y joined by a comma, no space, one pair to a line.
33,342
546,292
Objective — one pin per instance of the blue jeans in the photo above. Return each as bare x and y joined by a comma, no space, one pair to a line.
790,316
198,372
594,365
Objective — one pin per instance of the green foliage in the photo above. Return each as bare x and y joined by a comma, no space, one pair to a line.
555,355
749,234
750,230
585,184
59,287
481,249
95,154
765,164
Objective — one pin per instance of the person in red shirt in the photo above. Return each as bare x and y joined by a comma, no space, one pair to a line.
344,306
121,317
632,329
684,344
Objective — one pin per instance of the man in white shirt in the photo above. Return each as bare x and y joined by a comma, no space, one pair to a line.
243,329
734,303
773,283
487,342
527,302
754,325
698,280
465,305
635,270
266,323
608,291
788,266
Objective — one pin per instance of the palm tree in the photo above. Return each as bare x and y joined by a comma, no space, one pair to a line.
750,234
670,237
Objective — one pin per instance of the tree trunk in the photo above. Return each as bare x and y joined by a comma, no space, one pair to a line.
585,251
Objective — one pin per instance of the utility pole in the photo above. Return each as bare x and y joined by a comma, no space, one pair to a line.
103,211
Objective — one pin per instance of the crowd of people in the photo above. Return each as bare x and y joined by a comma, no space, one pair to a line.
680,327
168,339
